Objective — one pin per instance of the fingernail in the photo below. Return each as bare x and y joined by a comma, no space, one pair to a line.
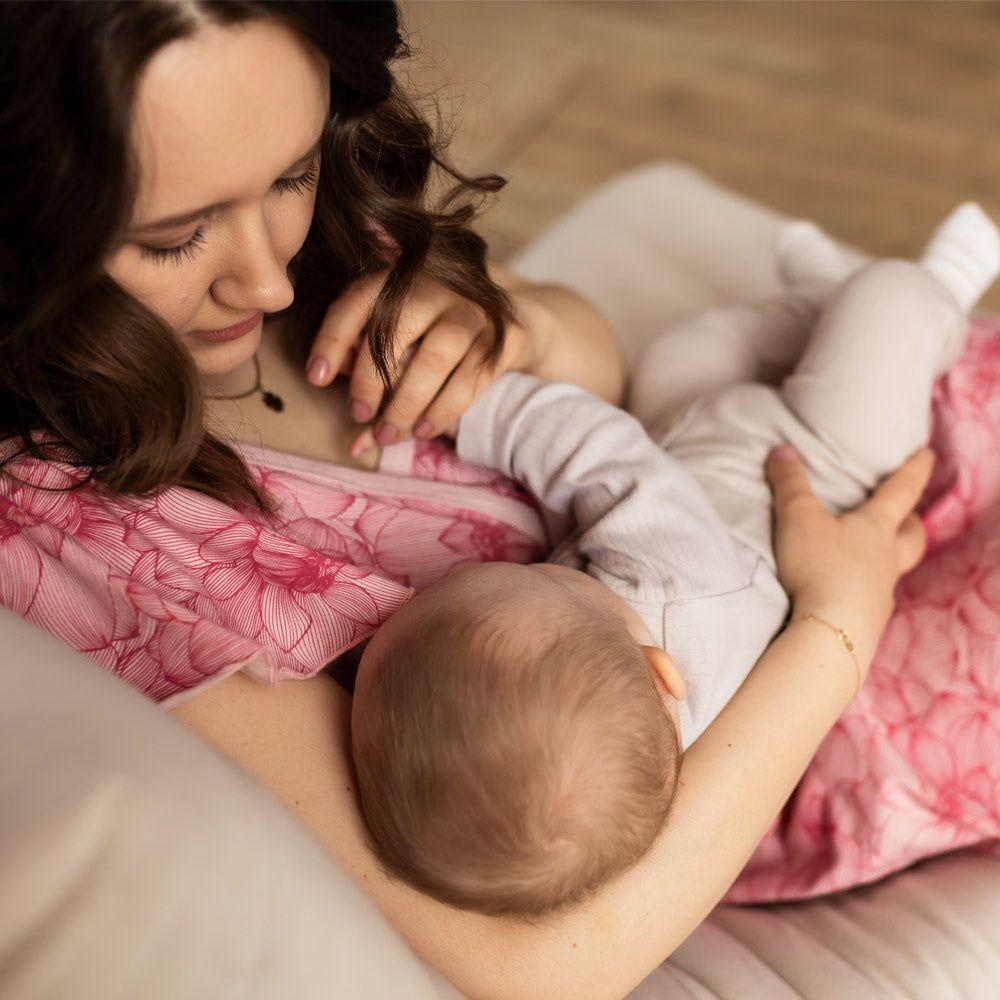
424,429
387,434
783,453
318,371
361,413
362,443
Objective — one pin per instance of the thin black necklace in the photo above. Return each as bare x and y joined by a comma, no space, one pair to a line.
271,399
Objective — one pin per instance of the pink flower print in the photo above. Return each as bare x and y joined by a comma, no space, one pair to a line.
970,730
896,697
490,540
301,496
437,461
979,607
940,578
845,757
337,540
287,596
404,541
929,808
20,557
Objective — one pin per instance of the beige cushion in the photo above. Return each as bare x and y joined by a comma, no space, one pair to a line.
656,245
137,863
930,933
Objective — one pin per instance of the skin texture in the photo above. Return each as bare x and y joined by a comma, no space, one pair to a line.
223,118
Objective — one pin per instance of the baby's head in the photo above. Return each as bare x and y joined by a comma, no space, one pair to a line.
515,738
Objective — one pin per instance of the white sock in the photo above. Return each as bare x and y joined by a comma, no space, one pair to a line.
964,254
806,256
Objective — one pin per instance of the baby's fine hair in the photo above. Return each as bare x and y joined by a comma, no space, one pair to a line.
514,767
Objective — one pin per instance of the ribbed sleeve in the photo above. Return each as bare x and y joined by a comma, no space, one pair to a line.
642,526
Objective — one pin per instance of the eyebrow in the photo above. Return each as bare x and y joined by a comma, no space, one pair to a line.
186,218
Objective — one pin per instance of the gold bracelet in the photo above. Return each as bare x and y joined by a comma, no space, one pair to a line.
845,639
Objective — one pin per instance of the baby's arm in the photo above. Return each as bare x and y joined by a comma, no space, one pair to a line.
646,528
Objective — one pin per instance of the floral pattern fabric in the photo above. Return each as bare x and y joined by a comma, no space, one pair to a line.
176,592
912,768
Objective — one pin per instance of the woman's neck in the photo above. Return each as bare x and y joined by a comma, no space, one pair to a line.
314,422
231,383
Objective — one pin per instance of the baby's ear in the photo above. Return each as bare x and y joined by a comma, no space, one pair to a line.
668,678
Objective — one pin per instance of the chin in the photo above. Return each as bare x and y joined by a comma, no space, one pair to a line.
220,359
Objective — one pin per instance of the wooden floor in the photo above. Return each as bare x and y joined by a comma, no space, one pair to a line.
873,118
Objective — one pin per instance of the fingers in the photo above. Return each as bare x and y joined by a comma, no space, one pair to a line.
342,324
895,498
366,388
439,354
789,481
911,543
433,356
468,380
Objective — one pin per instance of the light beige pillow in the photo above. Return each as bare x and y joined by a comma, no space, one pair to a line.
137,863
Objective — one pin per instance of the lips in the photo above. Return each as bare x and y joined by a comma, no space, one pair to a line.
229,332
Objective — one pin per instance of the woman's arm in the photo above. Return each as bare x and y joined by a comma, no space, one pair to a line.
442,348
733,782
574,341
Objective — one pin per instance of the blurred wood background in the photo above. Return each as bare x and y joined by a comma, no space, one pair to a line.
873,118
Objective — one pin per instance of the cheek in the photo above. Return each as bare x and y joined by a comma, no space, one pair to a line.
171,293
290,228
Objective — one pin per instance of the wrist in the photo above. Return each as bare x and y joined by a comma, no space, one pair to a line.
843,638
859,625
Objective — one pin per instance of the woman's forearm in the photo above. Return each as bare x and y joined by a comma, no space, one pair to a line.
733,783
575,342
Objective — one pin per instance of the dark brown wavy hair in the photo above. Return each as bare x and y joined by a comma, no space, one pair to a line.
83,359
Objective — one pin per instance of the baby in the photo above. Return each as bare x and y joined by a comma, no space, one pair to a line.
518,730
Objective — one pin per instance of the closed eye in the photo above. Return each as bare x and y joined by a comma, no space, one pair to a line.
176,254
302,182
185,251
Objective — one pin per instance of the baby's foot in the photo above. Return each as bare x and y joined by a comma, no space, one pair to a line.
806,256
964,254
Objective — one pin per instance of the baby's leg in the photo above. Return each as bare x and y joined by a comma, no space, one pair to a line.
743,343
863,385
719,347
857,404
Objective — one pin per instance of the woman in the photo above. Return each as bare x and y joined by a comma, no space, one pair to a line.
191,166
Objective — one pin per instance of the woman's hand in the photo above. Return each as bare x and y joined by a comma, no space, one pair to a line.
844,569
441,346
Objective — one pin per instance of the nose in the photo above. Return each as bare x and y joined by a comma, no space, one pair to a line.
253,275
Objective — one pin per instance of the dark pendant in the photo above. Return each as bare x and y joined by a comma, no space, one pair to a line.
276,403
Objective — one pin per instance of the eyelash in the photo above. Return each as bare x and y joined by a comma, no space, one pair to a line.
283,185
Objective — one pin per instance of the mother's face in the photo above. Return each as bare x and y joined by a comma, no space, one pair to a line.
226,128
